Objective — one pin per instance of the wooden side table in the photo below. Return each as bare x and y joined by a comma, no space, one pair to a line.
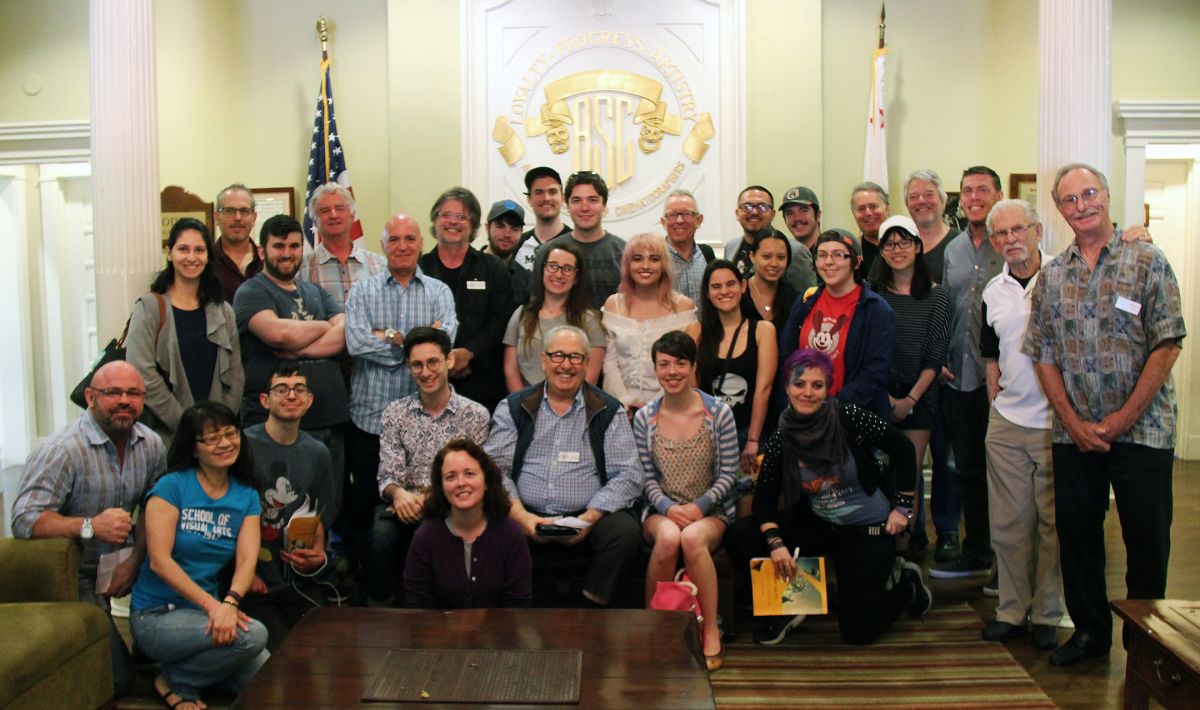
1164,652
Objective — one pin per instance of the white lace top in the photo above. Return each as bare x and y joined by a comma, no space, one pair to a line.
628,368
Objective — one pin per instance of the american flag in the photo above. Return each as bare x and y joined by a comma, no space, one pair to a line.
326,161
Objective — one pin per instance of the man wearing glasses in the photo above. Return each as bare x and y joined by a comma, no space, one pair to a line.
587,200
567,454
544,190
414,429
1104,331
296,476
681,218
754,212
83,482
237,259
380,312
337,261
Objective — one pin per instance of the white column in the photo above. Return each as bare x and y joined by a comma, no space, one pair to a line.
1075,113
125,188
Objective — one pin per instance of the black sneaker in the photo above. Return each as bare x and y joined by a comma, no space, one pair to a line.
772,630
948,548
922,598
962,567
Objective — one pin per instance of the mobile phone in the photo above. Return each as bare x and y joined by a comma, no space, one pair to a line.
552,530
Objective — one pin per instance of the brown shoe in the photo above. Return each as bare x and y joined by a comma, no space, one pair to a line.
714,663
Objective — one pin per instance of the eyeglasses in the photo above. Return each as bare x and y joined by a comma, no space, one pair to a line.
672,216
117,392
453,216
1017,231
558,356
231,435
759,207
554,267
1088,196
239,211
901,243
833,256
433,364
282,390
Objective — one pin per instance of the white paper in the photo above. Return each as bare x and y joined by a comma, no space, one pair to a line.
107,564
573,522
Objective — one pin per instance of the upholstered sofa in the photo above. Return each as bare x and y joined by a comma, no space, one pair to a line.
54,652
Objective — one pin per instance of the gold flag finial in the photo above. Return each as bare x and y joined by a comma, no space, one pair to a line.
882,23
323,34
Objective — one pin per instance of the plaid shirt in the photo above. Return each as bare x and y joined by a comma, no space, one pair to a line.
551,482
689,272
381,374
411,438
75,473
323,269
1099,327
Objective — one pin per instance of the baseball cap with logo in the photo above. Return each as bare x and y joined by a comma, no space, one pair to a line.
502,208
800,196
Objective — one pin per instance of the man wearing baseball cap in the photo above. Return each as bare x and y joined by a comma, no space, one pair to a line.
504,223
544,191
802,215
754,212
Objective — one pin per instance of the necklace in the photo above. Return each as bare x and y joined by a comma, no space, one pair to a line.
766,307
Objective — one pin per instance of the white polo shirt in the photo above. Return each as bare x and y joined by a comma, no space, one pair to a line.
1021,400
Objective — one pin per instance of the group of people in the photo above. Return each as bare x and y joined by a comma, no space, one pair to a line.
465,419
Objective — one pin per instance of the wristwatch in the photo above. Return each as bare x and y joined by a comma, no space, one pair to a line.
86,532
390,335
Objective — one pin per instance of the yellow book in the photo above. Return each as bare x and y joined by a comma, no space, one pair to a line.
805,593
301,531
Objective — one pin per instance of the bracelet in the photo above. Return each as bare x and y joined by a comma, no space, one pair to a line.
909,396
775,543
772,534
232,604
236,597
906,512
754,440
904,500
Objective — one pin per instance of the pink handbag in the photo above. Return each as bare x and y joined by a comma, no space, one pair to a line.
679,595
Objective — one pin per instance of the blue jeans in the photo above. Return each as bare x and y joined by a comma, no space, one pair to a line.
190,662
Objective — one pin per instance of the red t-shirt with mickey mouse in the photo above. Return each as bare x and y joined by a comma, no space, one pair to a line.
826,327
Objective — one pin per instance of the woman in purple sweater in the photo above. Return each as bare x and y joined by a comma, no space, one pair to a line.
467,553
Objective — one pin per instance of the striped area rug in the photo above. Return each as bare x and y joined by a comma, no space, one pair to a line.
935,662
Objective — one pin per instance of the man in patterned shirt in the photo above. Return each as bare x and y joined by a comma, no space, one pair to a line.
337,261
83,483
414,429
1104,331
566,449
379,313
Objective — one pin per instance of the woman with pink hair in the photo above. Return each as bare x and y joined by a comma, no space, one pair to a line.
644,307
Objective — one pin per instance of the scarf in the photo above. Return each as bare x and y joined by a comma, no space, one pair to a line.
815,441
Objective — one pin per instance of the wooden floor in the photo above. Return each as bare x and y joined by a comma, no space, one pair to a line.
1093,684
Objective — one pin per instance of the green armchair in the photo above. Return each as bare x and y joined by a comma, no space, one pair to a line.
55,652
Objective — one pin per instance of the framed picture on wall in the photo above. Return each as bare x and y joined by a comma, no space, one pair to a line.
177,203
1023,186
270,201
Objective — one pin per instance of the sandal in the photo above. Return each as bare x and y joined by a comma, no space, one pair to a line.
165,694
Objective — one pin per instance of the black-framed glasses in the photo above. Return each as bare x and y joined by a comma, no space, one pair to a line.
558,356
759,207
282,390
903,243
239,211
554,267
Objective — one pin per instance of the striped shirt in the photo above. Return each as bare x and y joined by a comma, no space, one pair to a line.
75,472
381,374
323,269
558,476
922,337
411,438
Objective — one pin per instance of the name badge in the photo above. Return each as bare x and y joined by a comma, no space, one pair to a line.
568,457
476,285
1131,307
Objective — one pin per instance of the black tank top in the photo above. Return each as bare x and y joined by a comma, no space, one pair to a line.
733,380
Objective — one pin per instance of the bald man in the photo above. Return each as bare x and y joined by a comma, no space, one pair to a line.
83,482
379,311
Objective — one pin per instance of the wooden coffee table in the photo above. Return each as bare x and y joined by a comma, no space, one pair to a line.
631,658
1164,652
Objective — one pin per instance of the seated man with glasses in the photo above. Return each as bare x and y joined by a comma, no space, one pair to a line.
83,482
414,429
754,212
295,471
567,451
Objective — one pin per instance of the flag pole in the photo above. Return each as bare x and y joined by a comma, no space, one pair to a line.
882,24
323,34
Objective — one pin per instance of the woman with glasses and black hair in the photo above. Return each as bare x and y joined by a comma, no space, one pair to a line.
183,337
922,310
202,514
559,297
848,322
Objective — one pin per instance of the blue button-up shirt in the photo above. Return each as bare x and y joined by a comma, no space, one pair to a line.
965,273
381,373
559,473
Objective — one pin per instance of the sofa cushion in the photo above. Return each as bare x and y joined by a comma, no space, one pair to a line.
41,638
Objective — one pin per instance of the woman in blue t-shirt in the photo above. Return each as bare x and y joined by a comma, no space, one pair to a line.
198,517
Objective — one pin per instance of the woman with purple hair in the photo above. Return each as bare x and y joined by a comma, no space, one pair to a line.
821,489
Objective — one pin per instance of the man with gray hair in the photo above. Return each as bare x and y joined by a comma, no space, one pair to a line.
337,260
1105,329
83,483
869,204
236,258
1019,471
380,310
567,454
925,198
681,218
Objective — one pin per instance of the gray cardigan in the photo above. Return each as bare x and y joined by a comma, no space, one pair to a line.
167,391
